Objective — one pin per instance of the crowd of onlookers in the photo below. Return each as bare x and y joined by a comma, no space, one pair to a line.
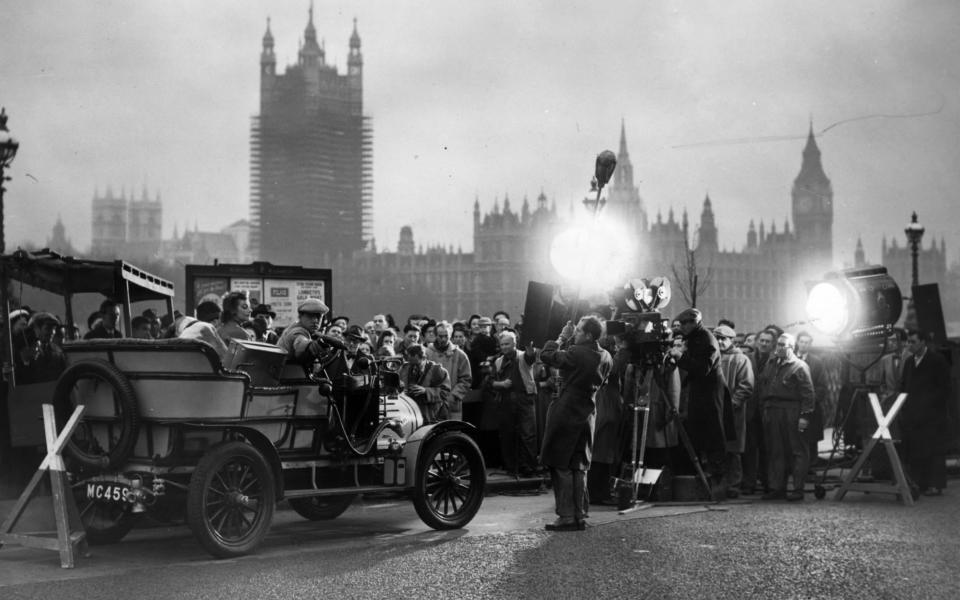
754,404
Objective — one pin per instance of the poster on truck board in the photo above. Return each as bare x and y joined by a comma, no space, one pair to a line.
285,295
209,289
252,286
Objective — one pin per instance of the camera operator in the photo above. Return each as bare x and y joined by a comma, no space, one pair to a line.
707,397
568,435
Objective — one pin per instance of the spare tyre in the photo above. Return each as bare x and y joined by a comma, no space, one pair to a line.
106,435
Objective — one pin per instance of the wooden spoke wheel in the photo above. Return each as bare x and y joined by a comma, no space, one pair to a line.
450,481
231,499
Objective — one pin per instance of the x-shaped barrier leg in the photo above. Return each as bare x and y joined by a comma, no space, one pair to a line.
900,485
70,537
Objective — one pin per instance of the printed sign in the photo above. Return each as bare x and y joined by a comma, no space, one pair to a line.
285,295
309,289
281,295
253,288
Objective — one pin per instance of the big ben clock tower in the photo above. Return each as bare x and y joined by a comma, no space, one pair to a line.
813,212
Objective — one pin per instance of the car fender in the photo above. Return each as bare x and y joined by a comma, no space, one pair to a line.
416,441
261,443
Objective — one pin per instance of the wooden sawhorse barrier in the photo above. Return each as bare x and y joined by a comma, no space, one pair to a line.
69,539
900,486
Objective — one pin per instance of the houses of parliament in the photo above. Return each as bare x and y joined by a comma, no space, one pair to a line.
311,205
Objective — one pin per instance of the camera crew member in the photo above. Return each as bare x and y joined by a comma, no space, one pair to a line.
568,434
706,417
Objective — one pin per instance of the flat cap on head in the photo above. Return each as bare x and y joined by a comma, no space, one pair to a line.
725,331
485,321
691,314
313,306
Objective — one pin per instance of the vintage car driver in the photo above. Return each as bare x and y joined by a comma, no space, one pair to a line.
297,339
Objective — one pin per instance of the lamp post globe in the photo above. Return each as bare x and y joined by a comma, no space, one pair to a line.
8,150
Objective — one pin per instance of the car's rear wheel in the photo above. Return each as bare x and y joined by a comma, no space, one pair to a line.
105,522
321,508
230,500
450,481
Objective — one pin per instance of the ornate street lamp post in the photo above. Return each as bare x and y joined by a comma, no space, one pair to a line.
8,149
914,233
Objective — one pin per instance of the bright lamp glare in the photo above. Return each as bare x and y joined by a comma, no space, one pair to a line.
827,308
593,256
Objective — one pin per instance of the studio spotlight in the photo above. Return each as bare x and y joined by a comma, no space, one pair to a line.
855,303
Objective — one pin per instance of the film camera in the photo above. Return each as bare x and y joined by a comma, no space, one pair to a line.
638,320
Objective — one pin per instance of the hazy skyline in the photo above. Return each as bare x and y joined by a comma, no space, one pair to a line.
492,99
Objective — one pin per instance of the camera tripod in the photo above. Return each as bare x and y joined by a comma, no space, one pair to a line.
634,473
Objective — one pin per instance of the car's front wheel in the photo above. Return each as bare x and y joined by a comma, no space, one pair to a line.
450,481
230,500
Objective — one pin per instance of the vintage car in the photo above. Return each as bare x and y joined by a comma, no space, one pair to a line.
172,430
169,428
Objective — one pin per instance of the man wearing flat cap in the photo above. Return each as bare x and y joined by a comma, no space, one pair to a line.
297,339
738,376
700,359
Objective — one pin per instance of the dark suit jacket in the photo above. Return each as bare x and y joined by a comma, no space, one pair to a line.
709,403
925,414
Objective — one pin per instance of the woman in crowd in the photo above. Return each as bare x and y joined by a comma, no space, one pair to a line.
385,343
236,311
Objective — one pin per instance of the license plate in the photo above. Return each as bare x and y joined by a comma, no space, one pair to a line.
108,491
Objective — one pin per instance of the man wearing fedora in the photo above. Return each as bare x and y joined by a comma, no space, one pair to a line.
348,368
265,311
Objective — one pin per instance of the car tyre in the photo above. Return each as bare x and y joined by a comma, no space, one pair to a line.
449,482
83,448
231,499
321,508
105,523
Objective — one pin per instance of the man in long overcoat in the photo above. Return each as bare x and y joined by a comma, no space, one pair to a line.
738,376
924,416
568,433
709,412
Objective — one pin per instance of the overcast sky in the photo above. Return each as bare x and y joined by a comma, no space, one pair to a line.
493,98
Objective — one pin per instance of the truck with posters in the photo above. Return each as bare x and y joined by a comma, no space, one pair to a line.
282,287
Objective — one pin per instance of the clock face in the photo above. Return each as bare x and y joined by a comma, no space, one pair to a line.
804,204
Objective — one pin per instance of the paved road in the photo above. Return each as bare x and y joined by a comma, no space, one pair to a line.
868,546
